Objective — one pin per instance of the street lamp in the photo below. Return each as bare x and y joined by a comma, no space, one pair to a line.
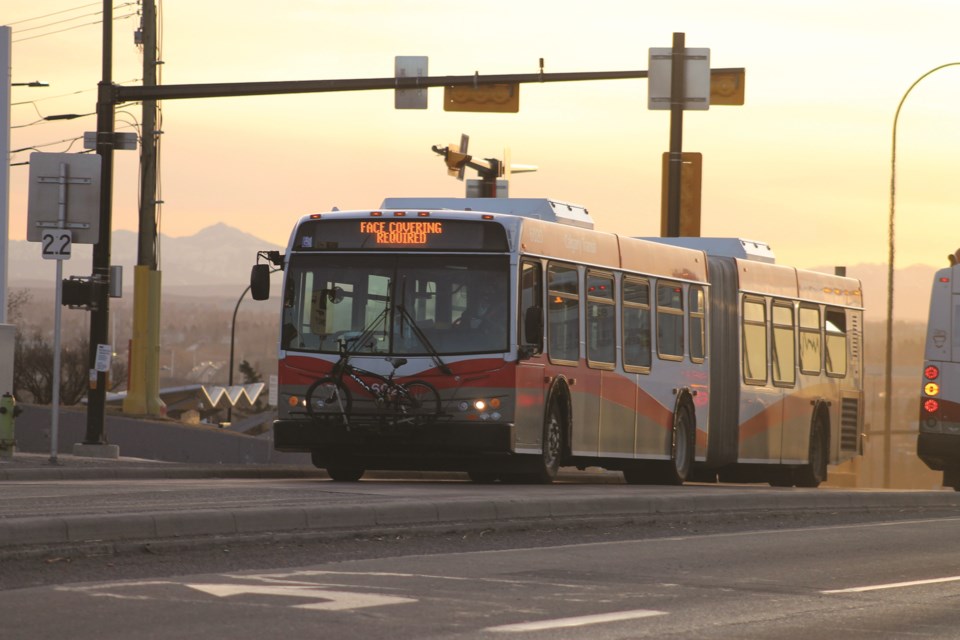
233,331
888,373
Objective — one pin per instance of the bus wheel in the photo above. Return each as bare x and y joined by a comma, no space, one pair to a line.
344,474
549,463
815,471
681,448
676,470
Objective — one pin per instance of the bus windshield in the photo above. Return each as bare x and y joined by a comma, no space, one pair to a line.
396,304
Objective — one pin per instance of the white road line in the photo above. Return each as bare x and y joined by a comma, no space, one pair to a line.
893,585
580,621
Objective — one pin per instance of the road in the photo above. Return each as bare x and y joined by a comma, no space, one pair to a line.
849,575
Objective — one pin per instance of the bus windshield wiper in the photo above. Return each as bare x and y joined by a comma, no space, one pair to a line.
424,340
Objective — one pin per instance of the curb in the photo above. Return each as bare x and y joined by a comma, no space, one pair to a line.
20,533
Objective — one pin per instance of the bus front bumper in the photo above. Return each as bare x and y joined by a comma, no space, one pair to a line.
439,446
939,450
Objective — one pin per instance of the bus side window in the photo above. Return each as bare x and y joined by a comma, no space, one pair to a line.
754,342
783,348
601,320
835,329
670,320
563,319
531,307
810,340
636,325
697,324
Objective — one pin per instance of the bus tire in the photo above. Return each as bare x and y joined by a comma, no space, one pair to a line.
326,397
345,474
676,470
548,464
682,446
814,472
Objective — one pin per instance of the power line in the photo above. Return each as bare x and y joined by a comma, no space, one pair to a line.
55,13
78,26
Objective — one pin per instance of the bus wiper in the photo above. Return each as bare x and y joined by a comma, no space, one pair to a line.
421,336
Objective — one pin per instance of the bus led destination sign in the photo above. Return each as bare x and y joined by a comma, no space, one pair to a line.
401,232
378,234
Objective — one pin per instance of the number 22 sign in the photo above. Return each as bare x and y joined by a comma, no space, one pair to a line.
56,244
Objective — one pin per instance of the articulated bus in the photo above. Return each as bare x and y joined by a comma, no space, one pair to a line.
938,442
506,338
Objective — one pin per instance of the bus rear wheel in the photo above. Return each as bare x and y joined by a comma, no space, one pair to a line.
676,470
814,472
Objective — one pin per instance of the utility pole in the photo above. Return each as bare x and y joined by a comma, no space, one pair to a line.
100,313
143,395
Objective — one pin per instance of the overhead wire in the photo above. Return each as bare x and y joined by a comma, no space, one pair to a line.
76,26
55,13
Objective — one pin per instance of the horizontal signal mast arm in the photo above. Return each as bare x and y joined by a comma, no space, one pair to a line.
174,91
221,90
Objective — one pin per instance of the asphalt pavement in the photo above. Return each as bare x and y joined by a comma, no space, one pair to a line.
122,510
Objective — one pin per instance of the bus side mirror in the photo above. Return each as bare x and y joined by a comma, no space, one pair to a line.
533,326
260,282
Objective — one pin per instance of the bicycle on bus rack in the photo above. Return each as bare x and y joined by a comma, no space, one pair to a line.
386,401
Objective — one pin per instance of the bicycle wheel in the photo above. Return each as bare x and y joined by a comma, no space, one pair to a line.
328,397
418,398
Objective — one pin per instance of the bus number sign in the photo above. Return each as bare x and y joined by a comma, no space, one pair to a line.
401,232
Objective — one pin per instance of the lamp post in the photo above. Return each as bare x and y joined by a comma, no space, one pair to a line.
888,372
233,332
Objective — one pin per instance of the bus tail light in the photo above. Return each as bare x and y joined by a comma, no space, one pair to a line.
930,405
932,372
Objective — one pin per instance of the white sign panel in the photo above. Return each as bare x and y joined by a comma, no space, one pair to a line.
56,244
67,182
104,356
696,76
410,67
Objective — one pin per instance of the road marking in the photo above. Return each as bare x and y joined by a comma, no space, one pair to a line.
329,600
893,585
579,621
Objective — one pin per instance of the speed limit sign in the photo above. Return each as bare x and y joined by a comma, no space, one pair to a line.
55,244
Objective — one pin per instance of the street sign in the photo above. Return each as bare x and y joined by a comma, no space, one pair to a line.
727,87
64,193
56,244
696,76
691,181
410,67
491,98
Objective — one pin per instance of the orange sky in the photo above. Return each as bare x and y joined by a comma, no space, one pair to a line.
804,165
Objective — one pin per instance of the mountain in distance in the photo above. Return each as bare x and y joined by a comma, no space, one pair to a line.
216,261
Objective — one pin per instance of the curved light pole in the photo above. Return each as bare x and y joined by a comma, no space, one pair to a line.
233,332
888,372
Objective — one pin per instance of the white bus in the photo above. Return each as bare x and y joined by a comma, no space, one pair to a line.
938,442
507,338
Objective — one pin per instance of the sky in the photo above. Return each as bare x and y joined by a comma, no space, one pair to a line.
804,165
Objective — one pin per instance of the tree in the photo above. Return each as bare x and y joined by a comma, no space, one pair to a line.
250,375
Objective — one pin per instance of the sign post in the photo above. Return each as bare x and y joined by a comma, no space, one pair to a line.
56,236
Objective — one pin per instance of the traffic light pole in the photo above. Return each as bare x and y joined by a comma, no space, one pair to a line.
677,99
100,313
111,95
